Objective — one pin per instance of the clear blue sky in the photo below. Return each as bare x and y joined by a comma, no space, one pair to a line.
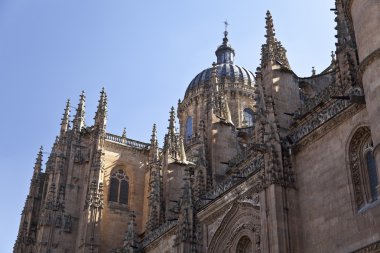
144,53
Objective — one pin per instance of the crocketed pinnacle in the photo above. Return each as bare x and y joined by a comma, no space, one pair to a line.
66,118
101,112
270,34
171,127
153,153
38,164
78,122
272,51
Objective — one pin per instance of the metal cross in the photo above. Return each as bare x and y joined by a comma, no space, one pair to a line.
226,25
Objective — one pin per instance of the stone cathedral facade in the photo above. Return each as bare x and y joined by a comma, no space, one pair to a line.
262,161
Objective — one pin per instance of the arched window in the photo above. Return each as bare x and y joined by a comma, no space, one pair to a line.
189,128
244,245
371,171
118,191
248,119
363,168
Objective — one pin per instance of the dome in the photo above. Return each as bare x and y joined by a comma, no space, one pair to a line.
225,68
233,72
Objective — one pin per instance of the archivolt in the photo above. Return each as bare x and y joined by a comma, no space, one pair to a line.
242,220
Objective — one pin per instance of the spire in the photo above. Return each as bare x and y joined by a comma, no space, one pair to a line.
66,118
101,113
225,53
38,164
78,122
272,50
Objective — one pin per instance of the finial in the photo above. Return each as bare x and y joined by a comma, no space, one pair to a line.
313,71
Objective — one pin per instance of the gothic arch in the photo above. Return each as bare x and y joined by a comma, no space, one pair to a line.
242,221
360,177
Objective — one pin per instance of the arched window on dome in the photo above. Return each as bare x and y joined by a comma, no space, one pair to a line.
189,128
363,169
119,187
248,119
244,245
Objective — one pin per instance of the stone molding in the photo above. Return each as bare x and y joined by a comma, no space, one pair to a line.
365,63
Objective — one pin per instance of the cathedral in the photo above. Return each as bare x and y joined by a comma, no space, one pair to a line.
257,161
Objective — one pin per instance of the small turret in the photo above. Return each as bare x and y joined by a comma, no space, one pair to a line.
78,122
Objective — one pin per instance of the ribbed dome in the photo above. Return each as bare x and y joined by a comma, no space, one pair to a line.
224,70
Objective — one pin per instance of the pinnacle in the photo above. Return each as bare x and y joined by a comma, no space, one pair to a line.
270,31
39,156
154,134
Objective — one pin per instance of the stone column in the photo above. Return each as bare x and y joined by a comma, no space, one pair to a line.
366,22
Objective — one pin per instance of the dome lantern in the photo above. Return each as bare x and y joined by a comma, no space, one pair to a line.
225,53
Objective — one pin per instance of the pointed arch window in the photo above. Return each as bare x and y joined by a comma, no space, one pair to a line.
248,119
363,168
189,128
119,187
